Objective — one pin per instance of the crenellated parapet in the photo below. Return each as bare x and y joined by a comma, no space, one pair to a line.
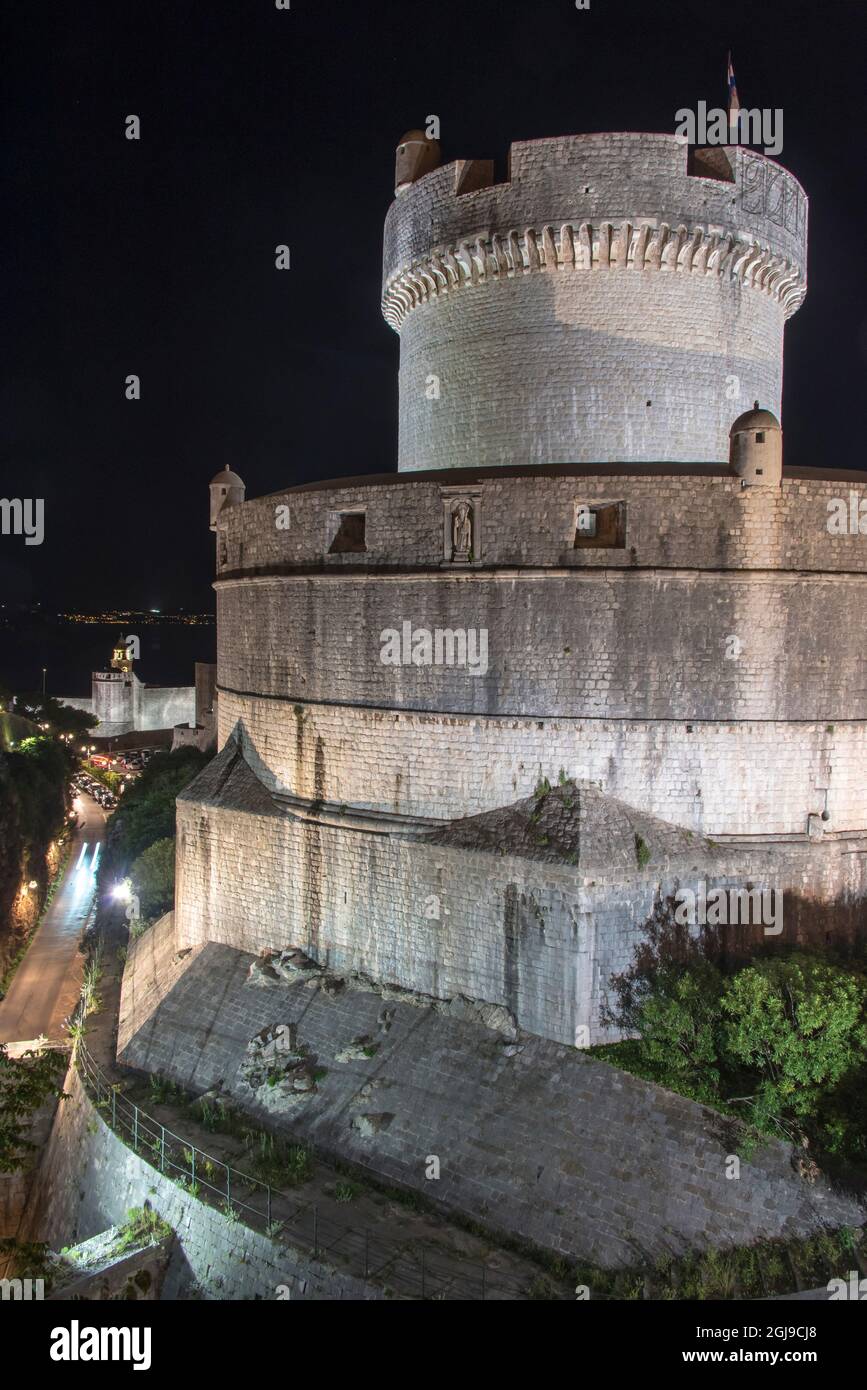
617,178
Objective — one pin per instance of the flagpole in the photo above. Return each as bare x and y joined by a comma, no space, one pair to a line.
733,105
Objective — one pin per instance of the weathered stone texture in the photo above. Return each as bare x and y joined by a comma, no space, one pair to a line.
761,777
534,1139
89,1180
466,913
677,517
613,664
594,306
548,370
614,643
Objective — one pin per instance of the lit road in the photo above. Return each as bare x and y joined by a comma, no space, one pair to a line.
46,984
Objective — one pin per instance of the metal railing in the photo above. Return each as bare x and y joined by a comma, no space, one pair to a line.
413,1270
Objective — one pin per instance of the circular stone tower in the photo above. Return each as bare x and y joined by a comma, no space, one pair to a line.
613,301
639,615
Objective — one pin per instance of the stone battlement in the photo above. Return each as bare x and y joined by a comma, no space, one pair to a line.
512,351
674,517
583,183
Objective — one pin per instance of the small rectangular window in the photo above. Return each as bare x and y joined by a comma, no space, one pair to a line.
349,537
600,525
760,437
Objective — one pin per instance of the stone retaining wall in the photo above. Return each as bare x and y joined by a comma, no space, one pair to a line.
89,1180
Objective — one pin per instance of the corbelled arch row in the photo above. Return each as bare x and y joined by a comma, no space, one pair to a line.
639,244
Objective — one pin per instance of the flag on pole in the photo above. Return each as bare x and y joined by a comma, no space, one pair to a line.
734,105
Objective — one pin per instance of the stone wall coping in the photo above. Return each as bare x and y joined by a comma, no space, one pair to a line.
280,574
346,817
635,472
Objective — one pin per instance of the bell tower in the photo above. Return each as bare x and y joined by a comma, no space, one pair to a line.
120,657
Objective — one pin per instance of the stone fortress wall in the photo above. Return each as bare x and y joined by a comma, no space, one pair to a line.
698,517
536,1139
122,703
213,1256
610,664
594,306
691,666
161,707
719,779
445,915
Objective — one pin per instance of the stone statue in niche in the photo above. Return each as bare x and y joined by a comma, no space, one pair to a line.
224,553
462,533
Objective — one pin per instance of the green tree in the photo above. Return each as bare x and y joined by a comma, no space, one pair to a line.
146,813
38,779
153,877
34,805
25,1085
800,1026
676,1011
61,719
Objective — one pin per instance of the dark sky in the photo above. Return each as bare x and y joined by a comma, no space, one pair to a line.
262,126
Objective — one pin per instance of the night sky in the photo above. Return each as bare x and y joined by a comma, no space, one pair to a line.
261,127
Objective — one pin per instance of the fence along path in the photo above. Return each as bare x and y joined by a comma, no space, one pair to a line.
414,1270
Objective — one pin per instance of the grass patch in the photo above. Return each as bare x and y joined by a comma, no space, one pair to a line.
143,1226
277,1163
162,1091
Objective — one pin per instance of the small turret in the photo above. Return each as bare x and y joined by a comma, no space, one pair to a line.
756,448
416,156
227,490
